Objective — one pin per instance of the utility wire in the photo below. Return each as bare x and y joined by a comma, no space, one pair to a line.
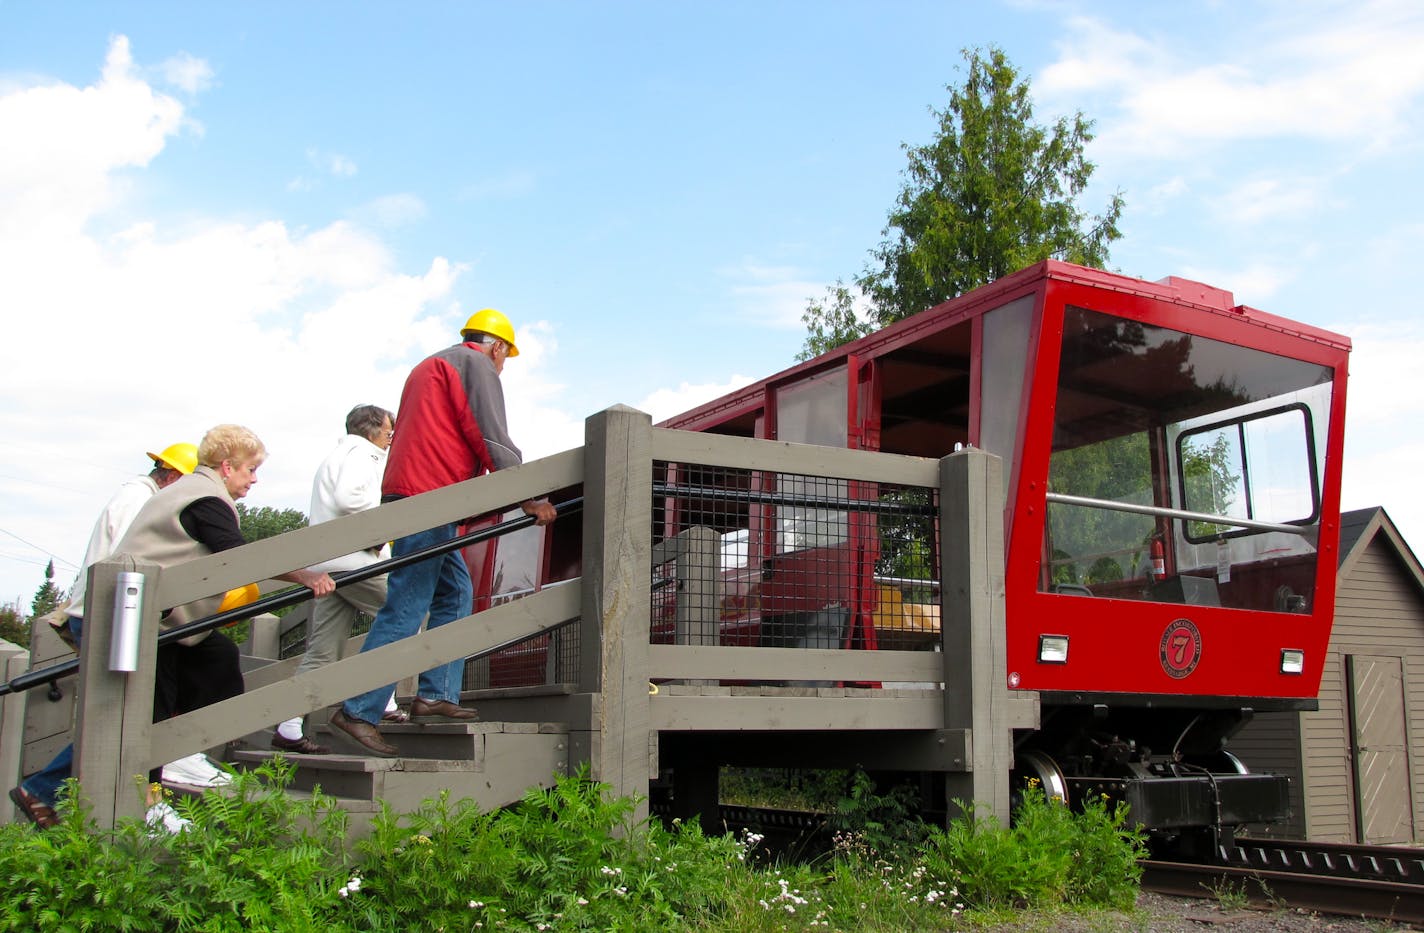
52,556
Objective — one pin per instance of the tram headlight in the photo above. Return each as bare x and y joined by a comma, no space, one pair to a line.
1053,649
1292,660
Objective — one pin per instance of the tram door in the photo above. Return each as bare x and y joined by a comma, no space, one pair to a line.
1384,808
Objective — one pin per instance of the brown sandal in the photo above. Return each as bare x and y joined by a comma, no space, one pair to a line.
395,715
35,809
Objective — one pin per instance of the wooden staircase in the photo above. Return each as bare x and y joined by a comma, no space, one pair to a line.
491,763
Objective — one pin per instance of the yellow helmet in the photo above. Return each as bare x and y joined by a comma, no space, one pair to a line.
239,596
180,457
490,321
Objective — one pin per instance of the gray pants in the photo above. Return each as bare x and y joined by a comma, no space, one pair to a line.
333,616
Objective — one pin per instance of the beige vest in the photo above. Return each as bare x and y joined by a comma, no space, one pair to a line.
157,535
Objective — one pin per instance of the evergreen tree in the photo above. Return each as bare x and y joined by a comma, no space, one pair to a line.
47,596
992,193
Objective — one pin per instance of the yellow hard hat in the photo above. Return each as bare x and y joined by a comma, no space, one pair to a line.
180,457
490,321
239,596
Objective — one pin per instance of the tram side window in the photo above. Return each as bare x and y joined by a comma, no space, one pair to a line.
812,411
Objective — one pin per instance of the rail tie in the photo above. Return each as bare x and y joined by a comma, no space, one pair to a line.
1379,882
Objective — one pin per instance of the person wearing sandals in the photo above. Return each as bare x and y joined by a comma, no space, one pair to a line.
348,481
193,517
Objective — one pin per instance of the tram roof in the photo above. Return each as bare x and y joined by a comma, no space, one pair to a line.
1180,291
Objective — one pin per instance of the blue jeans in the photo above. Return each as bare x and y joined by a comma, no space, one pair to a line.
440,586
46,782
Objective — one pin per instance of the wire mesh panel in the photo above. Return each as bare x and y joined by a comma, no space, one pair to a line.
760,558
547,658
292,643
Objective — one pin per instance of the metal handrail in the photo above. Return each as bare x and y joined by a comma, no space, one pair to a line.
298,594
1304,531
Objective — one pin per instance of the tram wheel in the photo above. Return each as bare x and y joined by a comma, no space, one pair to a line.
1039,767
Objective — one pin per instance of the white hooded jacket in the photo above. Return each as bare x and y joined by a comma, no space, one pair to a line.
348,481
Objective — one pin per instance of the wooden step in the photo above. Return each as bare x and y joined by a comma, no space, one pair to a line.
491,763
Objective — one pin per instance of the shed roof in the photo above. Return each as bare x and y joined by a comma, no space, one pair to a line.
1361,526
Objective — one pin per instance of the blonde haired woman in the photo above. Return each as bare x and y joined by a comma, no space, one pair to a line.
193,517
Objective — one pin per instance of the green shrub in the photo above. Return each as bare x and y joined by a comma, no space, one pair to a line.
1049,857
252,858
566,858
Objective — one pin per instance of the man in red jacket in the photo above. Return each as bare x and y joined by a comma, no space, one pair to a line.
452,428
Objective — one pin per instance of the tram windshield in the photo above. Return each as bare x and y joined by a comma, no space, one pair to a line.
1183,469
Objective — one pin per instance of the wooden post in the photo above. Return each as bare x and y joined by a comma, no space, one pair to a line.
699,583
617,578
264,635
115,709
14,660
976,695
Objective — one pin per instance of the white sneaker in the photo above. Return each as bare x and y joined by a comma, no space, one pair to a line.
161,818
196,771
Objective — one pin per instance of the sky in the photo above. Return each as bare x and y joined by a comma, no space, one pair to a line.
266,213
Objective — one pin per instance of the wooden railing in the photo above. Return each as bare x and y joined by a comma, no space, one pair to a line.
613,720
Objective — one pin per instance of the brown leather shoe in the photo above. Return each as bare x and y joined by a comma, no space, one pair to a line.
365,735
301,746
421,708
35,809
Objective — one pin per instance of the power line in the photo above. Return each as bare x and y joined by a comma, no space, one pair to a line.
52,556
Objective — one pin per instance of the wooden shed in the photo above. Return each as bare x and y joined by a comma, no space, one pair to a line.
1357,763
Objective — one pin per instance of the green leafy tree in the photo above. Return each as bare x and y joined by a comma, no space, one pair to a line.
14,627
266,521
833,321
47,596
992,193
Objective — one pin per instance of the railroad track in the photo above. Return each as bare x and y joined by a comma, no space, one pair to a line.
1380,882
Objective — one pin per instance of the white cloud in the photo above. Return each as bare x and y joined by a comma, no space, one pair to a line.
1270,199
537,423
1253,282
1383,463
664,403
512,184
64,146
1319,71
769,296
187,73
1162,194
1390,478
393,210
1383,391
331,163
123,342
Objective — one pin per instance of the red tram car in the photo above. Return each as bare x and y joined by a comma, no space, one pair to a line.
1172,479
1171,464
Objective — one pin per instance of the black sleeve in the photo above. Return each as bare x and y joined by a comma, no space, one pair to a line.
209,521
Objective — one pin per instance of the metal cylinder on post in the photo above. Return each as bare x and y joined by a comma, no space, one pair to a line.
128,604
